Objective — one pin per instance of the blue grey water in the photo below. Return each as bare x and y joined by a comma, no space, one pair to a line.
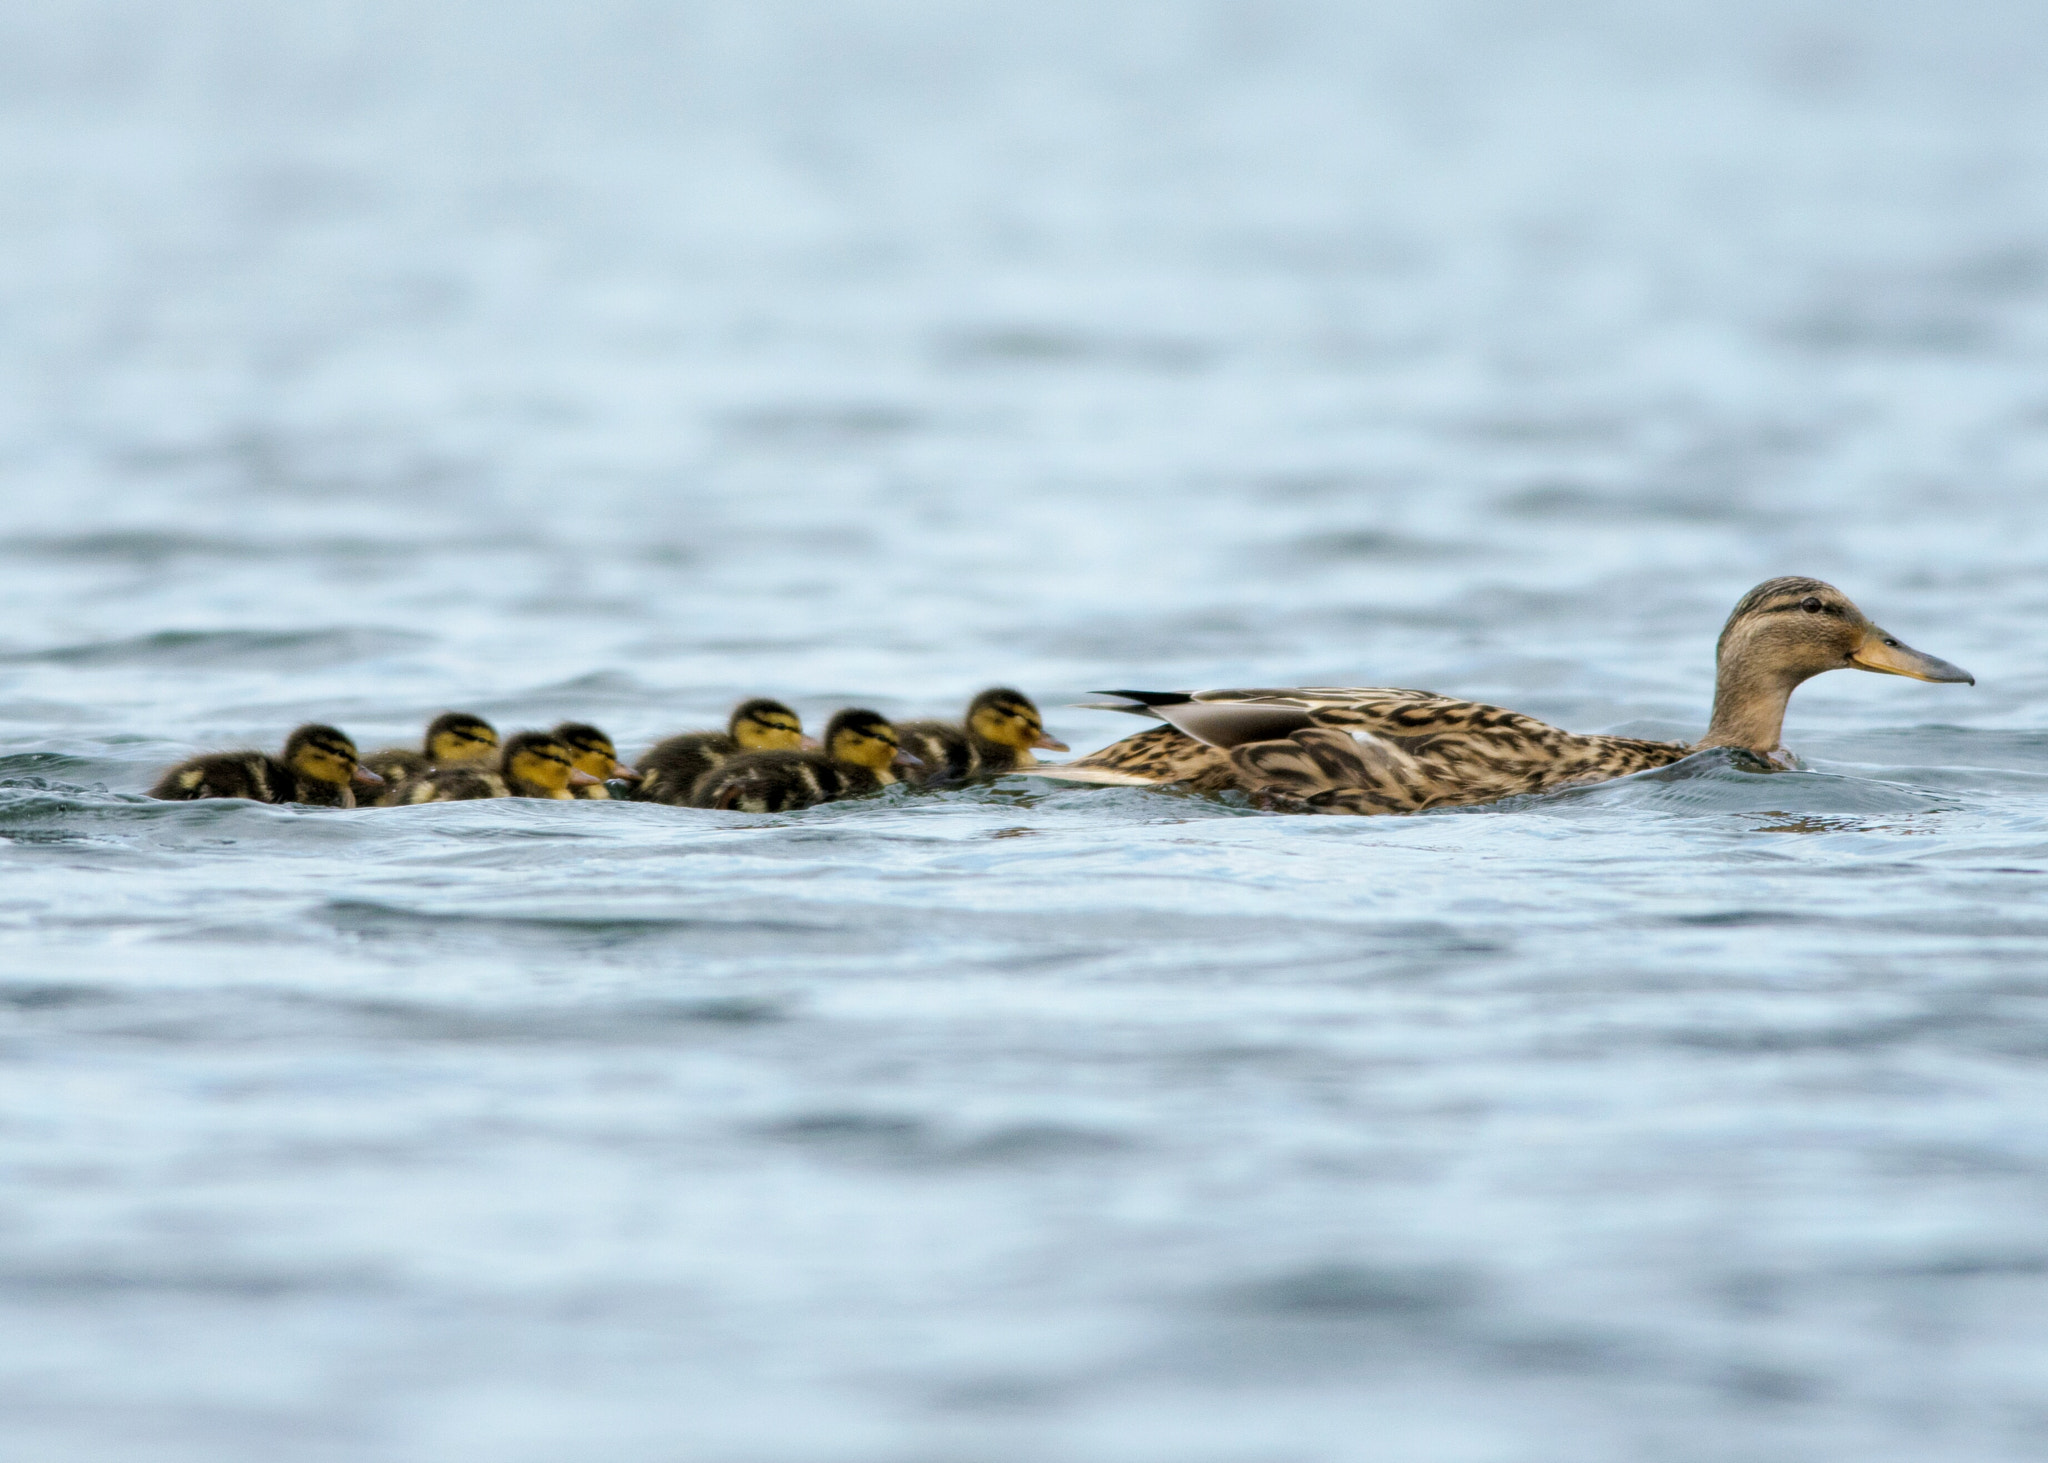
619,360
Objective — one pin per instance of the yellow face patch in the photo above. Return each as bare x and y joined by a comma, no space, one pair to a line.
769,734
865,749
597,761
1006,728
465,745
324,765
543,767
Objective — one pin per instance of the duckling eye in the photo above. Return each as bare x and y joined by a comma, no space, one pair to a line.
1811,605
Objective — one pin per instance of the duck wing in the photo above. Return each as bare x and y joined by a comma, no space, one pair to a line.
1358,749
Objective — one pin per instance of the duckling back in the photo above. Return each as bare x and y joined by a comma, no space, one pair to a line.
257,776
780,782
670,768
947,752
457,784
397,765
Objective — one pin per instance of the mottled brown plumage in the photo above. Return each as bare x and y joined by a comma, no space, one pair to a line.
1340,749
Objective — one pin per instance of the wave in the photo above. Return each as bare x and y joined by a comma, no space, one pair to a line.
226,649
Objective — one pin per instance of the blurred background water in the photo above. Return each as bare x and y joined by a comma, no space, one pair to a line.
622,359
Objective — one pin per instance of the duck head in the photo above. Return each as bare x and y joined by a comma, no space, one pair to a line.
592,751
325,754
458,737
867,739
1008,719
762,725
1782,634
541,760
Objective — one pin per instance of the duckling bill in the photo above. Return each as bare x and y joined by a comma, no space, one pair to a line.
998,735
318,766
862,754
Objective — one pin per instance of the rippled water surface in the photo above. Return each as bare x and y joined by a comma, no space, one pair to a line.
620,360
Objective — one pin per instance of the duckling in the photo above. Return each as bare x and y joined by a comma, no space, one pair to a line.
317,766
861,755
997,735
533,764
594,753
671,768
453,739
1378,749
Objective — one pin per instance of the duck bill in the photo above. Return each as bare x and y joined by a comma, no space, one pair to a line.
810,744
1049,743
1881,653
579,778
367,778
623,773
906,759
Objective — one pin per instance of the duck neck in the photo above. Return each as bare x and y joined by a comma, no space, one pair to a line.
1749,707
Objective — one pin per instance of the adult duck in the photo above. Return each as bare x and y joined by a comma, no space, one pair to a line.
1327,749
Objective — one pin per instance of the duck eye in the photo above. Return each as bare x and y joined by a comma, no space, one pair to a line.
1811,605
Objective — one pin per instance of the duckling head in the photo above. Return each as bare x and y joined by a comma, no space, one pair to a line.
592,751
541,759
866,739
1008,719
325,754
1786,631
761,725
456,737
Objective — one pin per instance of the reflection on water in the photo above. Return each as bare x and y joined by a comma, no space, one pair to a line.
619,362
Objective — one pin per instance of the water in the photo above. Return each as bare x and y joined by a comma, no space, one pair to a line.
617,364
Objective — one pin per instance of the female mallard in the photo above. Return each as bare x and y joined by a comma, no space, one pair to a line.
317,766
1371,750
671,768
860,755
593,753
533,764
997,735
453,739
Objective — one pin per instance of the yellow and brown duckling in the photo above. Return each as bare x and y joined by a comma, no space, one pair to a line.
318,765
453,739
672,768
595,755
862,754
1351,749
532,764
997,735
